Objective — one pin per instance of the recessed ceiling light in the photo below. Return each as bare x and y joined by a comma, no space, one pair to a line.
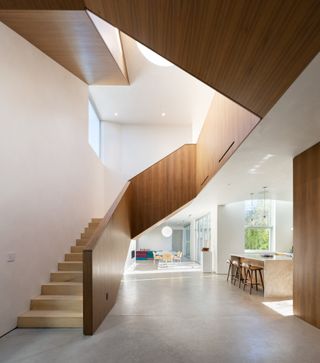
268,156
116,113
163,114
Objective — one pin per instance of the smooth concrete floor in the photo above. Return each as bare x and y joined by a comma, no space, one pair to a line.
174,318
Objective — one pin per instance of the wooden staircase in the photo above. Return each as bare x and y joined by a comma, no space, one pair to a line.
60,304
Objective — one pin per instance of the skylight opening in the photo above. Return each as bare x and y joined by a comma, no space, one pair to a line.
153,57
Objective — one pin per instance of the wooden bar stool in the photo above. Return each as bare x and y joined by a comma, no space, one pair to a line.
251,272
229,269
237,276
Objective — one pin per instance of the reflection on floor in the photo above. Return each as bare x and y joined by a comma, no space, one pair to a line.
143,267
187,317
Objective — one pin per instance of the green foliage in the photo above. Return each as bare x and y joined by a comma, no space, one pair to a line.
257,238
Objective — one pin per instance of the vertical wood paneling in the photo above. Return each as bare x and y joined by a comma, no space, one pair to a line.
103,262
72,40
306,235
226,126
163,188
153,195
248,50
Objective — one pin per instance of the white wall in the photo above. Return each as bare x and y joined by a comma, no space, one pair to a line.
230,233
129,149
284,223
154,240
111,158
51,180
130,262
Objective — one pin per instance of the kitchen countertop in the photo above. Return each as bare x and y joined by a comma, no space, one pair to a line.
258,257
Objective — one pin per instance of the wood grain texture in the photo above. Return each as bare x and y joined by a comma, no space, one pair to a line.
163,188
306,235
71,39
103,262
226,126
42,4
250,51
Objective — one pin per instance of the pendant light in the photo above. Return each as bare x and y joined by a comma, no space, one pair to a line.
251,219
264,205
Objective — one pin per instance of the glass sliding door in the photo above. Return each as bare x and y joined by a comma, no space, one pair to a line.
186,241
202,235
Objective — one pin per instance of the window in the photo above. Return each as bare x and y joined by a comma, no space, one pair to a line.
94,129
258,225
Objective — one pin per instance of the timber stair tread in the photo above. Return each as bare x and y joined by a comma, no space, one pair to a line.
54,313
58,297
60,304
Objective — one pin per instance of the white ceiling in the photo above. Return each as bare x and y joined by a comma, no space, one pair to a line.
292,126
153,90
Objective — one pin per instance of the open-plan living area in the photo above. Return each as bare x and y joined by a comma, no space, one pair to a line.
160,185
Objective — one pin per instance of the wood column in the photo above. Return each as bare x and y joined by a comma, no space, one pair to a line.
306,236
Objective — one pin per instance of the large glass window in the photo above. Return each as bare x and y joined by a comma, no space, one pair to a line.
258,225
94,130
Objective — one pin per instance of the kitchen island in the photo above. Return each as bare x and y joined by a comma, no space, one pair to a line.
277,272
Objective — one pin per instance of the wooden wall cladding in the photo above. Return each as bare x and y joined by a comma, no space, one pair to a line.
250,51
71,39
42,4
163,188
306,235
103,262
226,126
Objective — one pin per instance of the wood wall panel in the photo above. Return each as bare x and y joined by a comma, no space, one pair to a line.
42,4
153,195
103,262
226,126
163,188
306,235
251,51
71,39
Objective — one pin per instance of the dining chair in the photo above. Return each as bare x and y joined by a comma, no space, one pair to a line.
178,256
156,257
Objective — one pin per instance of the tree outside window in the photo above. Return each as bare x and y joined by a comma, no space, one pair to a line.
258,224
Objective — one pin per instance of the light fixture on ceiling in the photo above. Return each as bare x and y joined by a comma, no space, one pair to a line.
116,114
163,114
268,156
251,197
264,204
153,57
166,231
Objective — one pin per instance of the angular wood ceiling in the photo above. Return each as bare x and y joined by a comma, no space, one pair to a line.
72,39
249,50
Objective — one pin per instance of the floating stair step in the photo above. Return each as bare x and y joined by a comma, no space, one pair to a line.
96,220
70,266
66,276
77,249
86,235
90,230
50,319
93,224
82,241
73,256
62,288
57,302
